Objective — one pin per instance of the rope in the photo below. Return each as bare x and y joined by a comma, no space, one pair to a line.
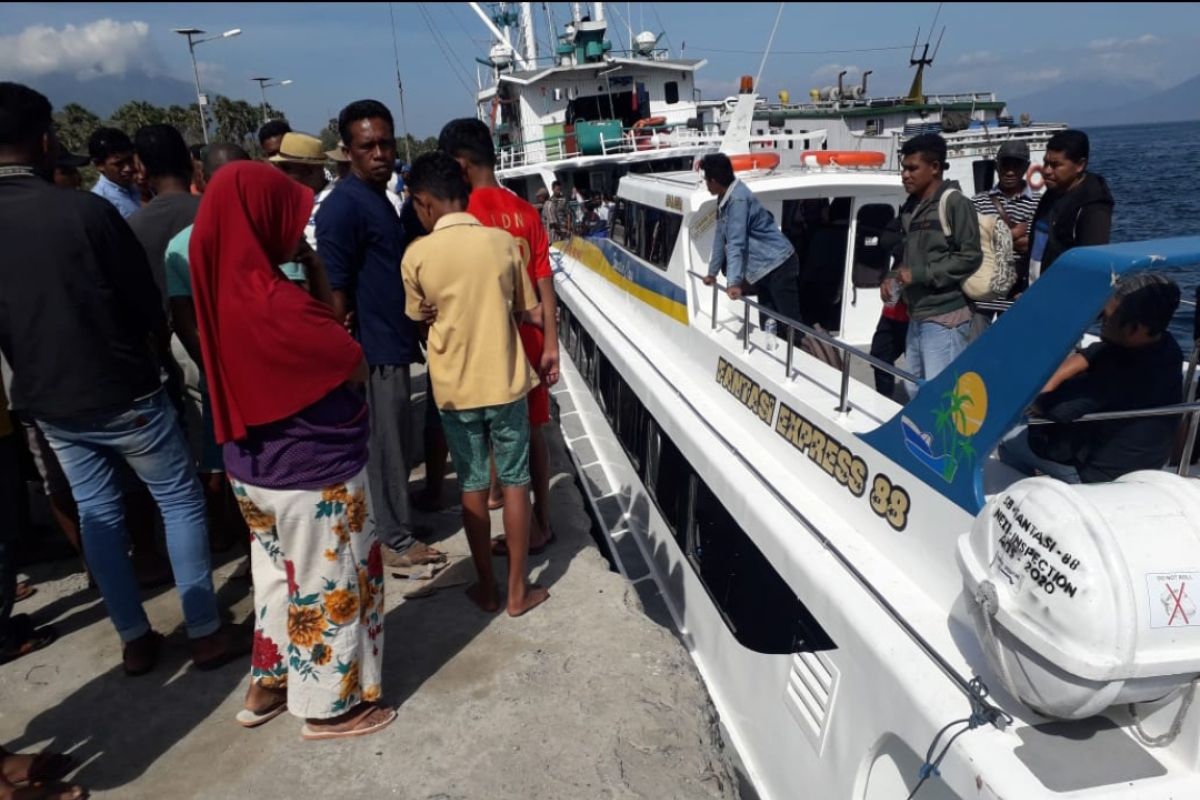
1176,724
767,52
989,604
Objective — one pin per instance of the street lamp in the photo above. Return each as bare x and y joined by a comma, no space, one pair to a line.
263,83
189,33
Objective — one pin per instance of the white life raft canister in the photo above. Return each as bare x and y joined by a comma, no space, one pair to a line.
1088,596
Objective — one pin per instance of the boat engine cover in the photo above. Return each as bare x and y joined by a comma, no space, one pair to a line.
1087,596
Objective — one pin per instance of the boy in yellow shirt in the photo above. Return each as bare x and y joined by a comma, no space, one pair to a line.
474,278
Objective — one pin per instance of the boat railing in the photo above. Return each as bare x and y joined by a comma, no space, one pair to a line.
849,352
884,103
1189,408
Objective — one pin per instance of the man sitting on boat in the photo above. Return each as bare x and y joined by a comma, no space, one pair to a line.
748,245
1137,364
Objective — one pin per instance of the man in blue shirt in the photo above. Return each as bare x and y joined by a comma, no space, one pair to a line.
749,245
112,154
362,241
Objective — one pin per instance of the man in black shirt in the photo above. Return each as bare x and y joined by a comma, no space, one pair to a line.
82,325
1137,364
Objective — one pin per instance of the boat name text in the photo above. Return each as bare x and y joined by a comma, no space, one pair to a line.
749,393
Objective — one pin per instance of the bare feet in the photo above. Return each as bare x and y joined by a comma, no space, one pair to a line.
361,720
488,599
531,598
418,555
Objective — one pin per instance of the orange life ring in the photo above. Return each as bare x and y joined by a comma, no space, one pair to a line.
649,122
1035,169
843,158
748,161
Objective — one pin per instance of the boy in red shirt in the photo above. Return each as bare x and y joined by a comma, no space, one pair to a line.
470,142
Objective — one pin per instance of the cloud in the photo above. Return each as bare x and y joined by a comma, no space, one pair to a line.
212,75
830,72
1115,43
103,47
977,59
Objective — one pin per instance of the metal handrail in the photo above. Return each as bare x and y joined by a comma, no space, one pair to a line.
1133,413
849,351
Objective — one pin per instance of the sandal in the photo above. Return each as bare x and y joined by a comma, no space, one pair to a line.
500,547
418,555
24,638
252,719
43,767
24,591
310,733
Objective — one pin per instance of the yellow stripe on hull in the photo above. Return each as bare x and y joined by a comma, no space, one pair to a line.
591,257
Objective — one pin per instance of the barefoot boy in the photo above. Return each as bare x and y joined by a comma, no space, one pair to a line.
474,277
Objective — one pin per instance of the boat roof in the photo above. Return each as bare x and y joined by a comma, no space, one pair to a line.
530,77
655,188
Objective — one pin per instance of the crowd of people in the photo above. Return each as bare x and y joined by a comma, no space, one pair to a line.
939,241
227,343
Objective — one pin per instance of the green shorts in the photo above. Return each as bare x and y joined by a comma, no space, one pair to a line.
505,429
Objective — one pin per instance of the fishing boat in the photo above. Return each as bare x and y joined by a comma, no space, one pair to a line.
880,609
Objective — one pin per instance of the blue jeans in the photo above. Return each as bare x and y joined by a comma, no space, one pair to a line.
929,347
1015,451
147,436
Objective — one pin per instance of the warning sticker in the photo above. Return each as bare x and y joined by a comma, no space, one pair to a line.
1172,599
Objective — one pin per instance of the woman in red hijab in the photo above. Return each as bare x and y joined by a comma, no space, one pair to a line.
285,382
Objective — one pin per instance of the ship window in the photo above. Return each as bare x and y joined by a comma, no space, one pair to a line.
872,253
587,356
616,225
759,607
669,479
631,425
671,92
606,388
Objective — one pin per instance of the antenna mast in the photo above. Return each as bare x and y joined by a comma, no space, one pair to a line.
916,92
400,89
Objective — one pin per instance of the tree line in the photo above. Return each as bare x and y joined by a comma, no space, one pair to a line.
229,120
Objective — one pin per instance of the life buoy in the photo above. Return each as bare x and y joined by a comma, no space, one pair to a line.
1035,169
649,122
843,158
748,161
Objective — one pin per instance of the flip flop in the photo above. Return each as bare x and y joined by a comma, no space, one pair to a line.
500,547
252,719
312,734
24,591
25,638
45,767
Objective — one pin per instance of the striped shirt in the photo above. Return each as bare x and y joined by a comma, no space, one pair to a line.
1020,210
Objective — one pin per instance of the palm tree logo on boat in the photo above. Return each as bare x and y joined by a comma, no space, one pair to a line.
956,421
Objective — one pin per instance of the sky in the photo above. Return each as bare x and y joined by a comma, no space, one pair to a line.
338,52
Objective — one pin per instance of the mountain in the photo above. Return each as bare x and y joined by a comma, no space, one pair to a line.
1076,103
102,96
1108,103
1178,104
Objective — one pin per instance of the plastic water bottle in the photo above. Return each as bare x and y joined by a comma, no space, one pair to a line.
769,330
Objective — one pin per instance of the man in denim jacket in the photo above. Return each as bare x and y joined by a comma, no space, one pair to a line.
748,244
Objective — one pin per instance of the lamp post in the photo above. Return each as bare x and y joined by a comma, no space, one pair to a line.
192,42
263,83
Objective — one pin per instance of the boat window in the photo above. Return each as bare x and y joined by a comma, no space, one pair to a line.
631,425
606,388
648,233
984,173
671,92
759,607
872,251
616,225
669,479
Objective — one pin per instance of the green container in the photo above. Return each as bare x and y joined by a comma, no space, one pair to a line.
589,133
555,136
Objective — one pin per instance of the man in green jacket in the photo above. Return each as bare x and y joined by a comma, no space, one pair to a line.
941,250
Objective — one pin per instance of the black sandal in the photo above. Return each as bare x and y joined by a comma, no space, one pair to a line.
24,638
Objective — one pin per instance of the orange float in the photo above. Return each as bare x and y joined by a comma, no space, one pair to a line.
843,158
748,161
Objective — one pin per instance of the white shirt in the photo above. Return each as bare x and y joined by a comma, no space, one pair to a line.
310,230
